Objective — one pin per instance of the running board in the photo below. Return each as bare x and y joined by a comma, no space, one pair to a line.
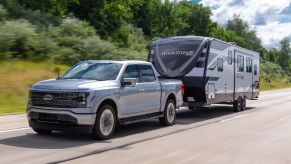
130,120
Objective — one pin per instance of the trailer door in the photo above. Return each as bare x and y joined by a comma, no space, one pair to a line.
243,74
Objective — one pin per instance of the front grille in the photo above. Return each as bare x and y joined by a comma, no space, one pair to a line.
63,100
52,118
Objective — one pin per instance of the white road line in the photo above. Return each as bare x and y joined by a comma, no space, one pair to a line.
233,118
12,130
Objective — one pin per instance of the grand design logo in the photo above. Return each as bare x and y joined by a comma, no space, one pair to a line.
174,53
48,97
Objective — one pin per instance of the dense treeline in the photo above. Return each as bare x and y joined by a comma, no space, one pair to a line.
67,31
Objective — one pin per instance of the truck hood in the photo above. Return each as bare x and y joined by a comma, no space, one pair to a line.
73,84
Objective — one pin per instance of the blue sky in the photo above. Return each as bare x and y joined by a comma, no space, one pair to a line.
271,18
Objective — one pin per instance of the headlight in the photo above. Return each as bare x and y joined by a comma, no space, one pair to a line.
82,100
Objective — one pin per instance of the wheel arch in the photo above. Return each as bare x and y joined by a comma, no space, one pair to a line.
111,103
173,97
170,95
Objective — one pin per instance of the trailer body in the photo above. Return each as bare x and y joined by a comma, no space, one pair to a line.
212,71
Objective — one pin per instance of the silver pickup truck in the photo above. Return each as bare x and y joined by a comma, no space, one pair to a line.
93,96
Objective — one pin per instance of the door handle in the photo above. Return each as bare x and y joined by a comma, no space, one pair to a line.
141,90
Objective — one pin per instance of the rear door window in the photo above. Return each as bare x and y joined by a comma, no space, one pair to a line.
131,71
146,73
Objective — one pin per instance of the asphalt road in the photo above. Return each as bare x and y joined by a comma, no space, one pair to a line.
261,134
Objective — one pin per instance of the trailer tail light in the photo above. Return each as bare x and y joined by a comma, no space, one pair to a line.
182,89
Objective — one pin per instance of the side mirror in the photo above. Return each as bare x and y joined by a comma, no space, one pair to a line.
129,82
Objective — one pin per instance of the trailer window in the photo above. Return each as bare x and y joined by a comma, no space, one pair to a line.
249,62
255,69
219,64
240,63
229,57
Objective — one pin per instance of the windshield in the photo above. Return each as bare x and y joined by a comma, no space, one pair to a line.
94,71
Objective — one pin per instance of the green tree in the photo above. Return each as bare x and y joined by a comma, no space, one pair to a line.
3,13
15,37
238,25
285,52
195,19
106,16
57,7
273,55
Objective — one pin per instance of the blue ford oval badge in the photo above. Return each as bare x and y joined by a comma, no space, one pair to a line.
48,97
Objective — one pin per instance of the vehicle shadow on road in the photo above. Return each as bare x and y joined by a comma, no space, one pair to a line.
207,113
55,140
184,116
61,140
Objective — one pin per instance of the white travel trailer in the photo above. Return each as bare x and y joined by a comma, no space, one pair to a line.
212,71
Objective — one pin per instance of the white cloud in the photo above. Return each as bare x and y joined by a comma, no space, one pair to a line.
273,32
270,18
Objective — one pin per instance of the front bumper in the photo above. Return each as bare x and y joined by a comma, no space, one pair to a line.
86,129
61,120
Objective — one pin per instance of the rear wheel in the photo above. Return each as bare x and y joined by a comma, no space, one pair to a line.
42,131
243,104
105,123
169,116
237,105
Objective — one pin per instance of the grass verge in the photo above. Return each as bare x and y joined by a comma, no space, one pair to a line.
15,79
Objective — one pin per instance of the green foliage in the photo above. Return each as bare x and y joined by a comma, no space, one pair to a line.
273,55
36,17
273,76
238,25
129,37
249,36
15,37
285,52
195,19
58,7
3,13
78,41
106,16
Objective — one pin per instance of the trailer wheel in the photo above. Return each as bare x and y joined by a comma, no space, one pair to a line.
243,104
237,105
105,123
169,116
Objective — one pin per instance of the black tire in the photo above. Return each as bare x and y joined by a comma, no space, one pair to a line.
237,105
169,115
42,131
243,104
106,118
191,108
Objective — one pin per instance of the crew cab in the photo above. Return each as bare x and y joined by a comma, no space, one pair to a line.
93,96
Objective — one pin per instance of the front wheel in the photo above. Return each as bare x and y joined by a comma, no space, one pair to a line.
105,123
169,116
42,131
